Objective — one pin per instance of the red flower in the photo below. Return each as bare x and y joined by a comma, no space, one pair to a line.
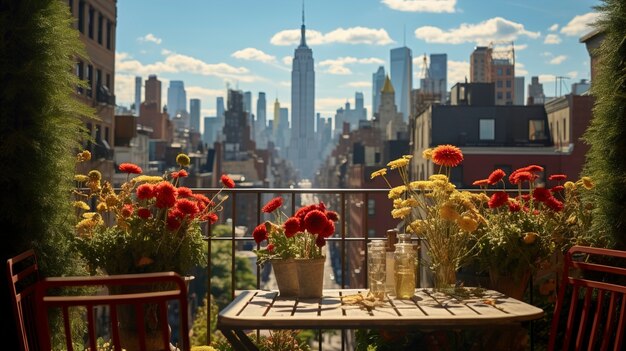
145,191
514,206
332,215
496,176
554,204
558,188
272,205
227,181
165,195
184,192
498,199
259,233
127,210
202,198
270,248
525,197
130,168
144,213
541,194
321,207
211,217
480,182
320,241
329,229
533,168
180,174
523,176
187,207
292,226
315,221
557,177
302,211
174,219
447,155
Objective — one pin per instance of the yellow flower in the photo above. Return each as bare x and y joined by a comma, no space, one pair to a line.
401,212
101,207
441,177
94,175
83,156
408,157
401,162
81,178
397,203
587,183
111,200
427,154
448,212
569,185
415,226
530,237
147,179
467,223
183,160
81,205
89,215
396,192
85,226
410,202
420,185
380,172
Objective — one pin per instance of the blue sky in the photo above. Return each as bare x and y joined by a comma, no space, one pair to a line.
249,43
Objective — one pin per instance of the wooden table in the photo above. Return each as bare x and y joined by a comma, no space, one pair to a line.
258,309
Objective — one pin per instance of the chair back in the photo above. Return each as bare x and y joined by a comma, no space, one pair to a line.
146,296
23,275
592,294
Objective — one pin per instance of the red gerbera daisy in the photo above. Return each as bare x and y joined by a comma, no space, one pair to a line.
211,217
180,174
227,181
187,207
272,205
541,194
496,176
145,191
480,182
533,168
447,155
315,221
514,206
202,198
292,226
174,219
498,199
144,213
130,168
184,192
259,233
523,176
165,195
554,204
557,188
329,229
557,177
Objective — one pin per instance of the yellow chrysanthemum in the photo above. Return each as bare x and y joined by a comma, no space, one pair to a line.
410,202
448,212
438,177
427,154
397,203
111,200
407,157
569,185
401,162
587,183
88,215
85,227
416,226
94,175
400,212
83,156
147,179
420,185
378,173
81,205
183,160
396,192
101,207
467,223
81,178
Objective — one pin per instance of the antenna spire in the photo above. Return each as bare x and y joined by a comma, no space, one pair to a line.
302,29
303,12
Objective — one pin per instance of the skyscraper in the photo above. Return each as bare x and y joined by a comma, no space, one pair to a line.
219,111
138,84
153,91
261,135
194,114
236,127
176,98
378,80
535,92
402,79
303,149
519,91
438,70
495,64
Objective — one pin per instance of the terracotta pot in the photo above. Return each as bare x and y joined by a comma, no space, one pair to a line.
310,277
512,284
286,275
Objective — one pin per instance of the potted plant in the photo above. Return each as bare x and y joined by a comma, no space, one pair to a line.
295,246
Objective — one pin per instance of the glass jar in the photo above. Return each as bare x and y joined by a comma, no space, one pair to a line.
392,238
405,259
376,268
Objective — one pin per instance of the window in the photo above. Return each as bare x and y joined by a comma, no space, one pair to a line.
89,80
371,207
508,83
486,129
109,34
80,72
499,71
81,16
508,95
108,81
499,95
98,77
100,29
90,22
536,130
499,84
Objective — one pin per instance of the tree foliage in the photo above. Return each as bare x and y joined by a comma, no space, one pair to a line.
606,135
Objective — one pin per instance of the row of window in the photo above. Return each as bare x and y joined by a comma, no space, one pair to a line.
92,23
500,71
500,96
487,129
86,72
500,84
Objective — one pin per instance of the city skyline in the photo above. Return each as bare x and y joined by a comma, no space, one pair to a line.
252,50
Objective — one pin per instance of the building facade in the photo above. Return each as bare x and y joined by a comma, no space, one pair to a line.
138,85
194,114
378,80
176,98
401,63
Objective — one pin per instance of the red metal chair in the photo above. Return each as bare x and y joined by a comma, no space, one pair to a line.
23,275
596,310
147,291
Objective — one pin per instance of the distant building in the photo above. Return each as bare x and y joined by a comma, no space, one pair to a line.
194,114
519,91
351,116
535,92
401,62
436,81
212,129
592,41
236,128
480,63
261,136
378,80
247,102
219,109
580,88
176,98
303,151
388,119
138,84
495,65
151,114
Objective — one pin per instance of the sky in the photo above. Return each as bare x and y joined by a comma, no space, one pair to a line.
249,44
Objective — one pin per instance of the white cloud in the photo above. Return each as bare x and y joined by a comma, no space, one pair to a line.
546,54
458,71
546,78
252,54
205,112
580,24
284,83
519,69
329,105
436,6
150,38
553,28
572,74
353,35
287,60
203,93
338,66
165,52
552,39
361,84
125,89
521,47
557,60
493,29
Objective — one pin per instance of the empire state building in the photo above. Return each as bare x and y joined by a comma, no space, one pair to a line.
302,150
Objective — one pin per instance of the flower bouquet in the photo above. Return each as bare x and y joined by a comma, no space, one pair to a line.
295,246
